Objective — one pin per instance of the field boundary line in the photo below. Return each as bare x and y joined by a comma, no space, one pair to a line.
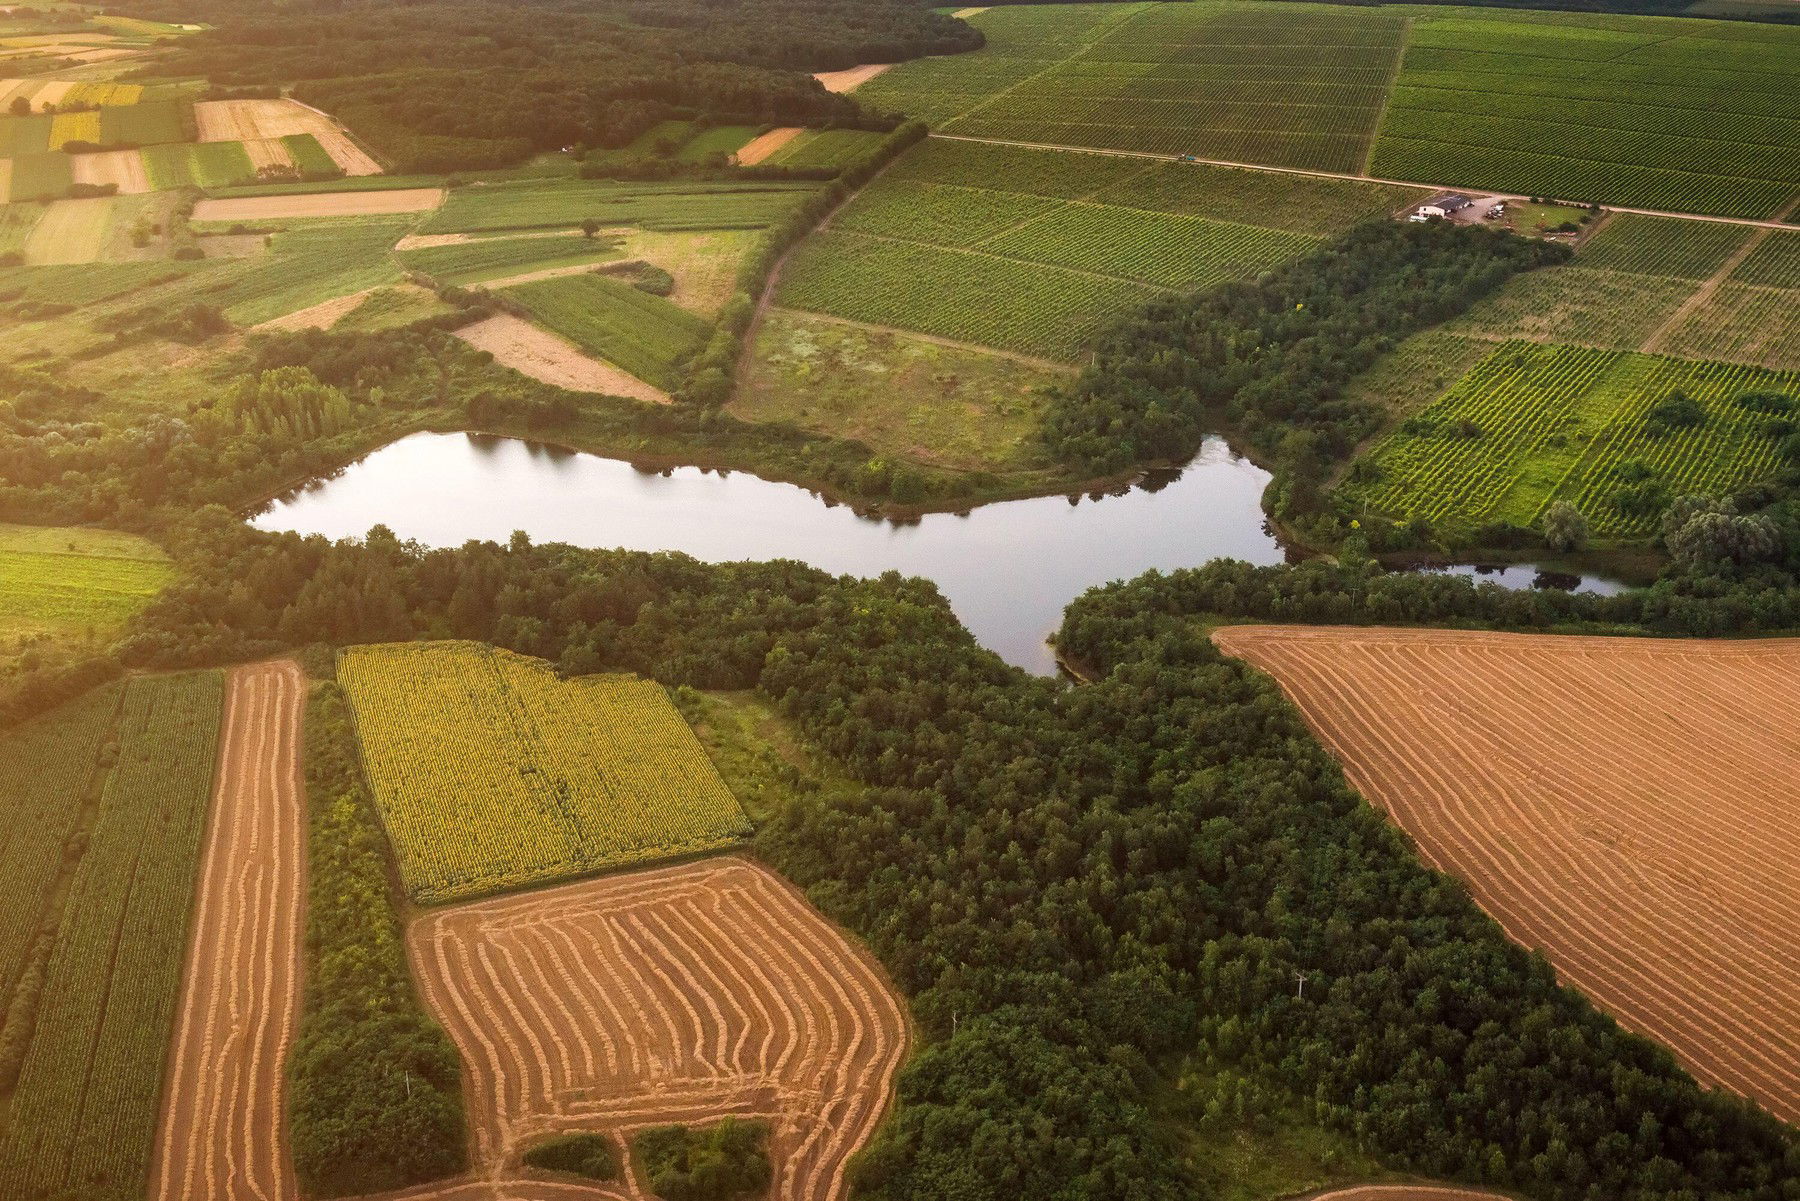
1063,206
1316,173
933,339
1387,94
1708,288
1113,26
1006,258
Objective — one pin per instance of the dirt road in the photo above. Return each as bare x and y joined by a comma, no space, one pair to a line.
224,1129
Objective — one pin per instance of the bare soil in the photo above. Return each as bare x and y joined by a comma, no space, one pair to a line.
122,168
319,204
260,120
850,79
530,350
224,1128
761,147
1630,806
323,315
678,994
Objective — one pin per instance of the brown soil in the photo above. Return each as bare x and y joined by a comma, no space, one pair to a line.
530,350
122,168
319,204
761,147
323,315
1628,805
1406,1192
224,1128
851,79
267,152
260,120
679,994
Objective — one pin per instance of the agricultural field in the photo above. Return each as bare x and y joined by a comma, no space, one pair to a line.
486,259
1644,848
491,773
565,204
287,206
83,1117
1035,251
1295,85
102,229
66,582
640,333
305,264
536,352
824,148
1531,424
198,165
322,143
1663,113
224,1128
677,994
959,409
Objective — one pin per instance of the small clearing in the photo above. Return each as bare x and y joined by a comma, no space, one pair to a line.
852,78
543,356
965,13
759,148
319,204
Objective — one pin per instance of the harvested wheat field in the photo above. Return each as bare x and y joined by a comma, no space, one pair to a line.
763,145
268,152
1630,806
224,1128
850,79
124,169
261,120
529,350
319,204
70,231
677,994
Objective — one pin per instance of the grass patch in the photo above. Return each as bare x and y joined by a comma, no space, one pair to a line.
565,204
66,581
761,757
962,410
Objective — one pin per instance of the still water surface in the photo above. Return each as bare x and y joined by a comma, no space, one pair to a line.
1008,569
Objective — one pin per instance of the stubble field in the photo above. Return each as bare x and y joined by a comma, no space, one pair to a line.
680,994
1626,805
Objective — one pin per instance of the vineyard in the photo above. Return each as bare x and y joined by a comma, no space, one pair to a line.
1034,251
643,334
1625,805
491,773
1297,85
565,204
824,148
1663,246
1649,112
84,1114
1531,424
69,582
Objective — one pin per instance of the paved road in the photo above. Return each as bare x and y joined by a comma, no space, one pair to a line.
1404,183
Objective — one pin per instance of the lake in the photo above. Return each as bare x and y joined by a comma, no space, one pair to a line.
1008,568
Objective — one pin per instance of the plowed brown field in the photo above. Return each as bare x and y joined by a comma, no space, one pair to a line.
678,994
224,1128
259,120
1631,806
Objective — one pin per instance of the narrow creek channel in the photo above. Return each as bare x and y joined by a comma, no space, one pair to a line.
1008,569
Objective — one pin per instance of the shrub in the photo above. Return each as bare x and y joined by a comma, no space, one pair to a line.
583,1154
711,1164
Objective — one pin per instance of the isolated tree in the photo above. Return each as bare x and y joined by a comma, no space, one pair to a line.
21,107
589,227
1565,527
1700,532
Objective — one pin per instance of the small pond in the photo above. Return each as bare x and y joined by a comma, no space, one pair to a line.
1008,568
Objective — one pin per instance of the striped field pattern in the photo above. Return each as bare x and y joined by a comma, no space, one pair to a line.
1630,806
678,994
224,1130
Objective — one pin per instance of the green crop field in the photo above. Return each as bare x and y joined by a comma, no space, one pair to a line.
720,139
16,223
825,148
644,334
149,124
1774,263
565,203
1692,116
1290,84
310,158
311,262
1665,246
1744,324
496,258
24,135
1035,250
198,165
84,1114
1531,424
41,176
68,581
492,773
88,283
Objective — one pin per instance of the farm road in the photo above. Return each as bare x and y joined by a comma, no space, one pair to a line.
1771,223
224,1128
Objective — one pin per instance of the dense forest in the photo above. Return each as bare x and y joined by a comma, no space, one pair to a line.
1269,358
1077,887
464,84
